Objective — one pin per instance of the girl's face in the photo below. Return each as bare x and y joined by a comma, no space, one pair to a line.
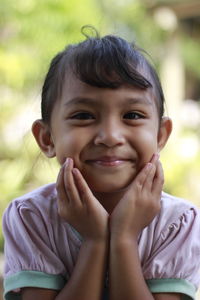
109,133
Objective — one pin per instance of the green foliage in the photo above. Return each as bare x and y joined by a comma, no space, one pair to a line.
33,31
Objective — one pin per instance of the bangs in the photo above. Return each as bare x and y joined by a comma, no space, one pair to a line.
107,63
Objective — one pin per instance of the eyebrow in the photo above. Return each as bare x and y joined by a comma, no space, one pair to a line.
139,100
80,100
94,102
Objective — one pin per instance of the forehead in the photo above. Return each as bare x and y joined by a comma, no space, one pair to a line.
75,92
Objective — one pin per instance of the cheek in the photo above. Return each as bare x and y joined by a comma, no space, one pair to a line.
148,145
150,142
72,146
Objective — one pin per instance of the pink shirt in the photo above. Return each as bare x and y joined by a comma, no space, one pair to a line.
41,249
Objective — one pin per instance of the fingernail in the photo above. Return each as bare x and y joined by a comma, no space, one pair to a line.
149,165
75,171
67,161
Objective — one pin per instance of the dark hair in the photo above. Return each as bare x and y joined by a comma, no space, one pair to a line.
106,62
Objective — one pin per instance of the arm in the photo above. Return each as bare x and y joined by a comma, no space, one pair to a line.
41,294
86,281
127,281
78,206
135,211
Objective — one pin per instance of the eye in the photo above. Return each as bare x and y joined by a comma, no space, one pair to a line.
132,115
82,116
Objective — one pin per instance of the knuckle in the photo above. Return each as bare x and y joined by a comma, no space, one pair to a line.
162,181
60,212
157,207
154,206
58,185
68,187
139,184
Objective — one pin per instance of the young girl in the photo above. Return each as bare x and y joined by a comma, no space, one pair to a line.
105,230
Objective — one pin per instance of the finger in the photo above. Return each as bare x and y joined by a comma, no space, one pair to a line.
82,186
155,158
142,176
148,183
60,187
158,179
152,171
69,184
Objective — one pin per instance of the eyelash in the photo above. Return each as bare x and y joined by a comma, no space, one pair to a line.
136,115
90,116
82,116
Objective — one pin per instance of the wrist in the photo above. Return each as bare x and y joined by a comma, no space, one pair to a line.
95,248
124,235
124,240
96,242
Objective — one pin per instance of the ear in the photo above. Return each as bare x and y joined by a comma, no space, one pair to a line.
43,137
164,132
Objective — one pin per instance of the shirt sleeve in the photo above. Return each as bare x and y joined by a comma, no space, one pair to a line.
174,263
29,256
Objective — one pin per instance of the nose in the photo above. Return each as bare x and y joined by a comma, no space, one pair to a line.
110,134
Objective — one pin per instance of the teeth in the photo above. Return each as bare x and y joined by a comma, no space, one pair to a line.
109,162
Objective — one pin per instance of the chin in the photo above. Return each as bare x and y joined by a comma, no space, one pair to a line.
109,186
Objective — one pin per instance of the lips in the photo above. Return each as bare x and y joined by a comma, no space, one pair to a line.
109,161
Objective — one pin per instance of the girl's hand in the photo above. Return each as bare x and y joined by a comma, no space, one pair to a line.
78,206
140,204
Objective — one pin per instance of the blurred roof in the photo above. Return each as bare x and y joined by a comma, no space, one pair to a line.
182,8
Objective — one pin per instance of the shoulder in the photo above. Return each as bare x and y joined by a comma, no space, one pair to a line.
177,215
34,213
175,209
37,212
171,202
172,244
41,201
38,243
178,219
44,240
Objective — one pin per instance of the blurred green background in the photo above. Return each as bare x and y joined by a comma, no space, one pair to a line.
32,32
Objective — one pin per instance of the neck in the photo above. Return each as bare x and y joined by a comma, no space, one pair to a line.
109,200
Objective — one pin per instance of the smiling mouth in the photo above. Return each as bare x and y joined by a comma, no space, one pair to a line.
108,162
